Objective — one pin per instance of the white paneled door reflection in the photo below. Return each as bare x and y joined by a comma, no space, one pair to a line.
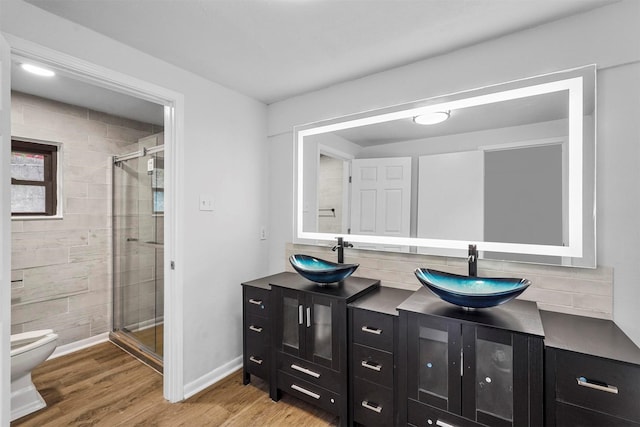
381,198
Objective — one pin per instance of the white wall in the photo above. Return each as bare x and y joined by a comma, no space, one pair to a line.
608,36
224,156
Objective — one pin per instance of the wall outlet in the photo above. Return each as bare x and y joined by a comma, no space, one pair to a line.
206,202
263,233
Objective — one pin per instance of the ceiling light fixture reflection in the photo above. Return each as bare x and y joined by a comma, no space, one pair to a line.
39,71
432,118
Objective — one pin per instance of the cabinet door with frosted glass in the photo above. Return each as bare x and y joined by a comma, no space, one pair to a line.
291,321
434,355
322,320
499,375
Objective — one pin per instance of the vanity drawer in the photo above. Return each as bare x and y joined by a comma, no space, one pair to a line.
569,415
257,358
373,365
423,415
312,393
256,301
315,374
373,329
372,404
602,385
257,328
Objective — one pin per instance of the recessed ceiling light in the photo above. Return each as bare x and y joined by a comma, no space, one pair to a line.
39,71
432,118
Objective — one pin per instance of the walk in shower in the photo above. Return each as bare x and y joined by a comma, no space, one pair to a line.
138,250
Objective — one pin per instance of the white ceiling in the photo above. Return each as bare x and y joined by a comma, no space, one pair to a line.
71,90
275,49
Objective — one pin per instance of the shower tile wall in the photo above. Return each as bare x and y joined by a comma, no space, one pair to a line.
330,183
61,268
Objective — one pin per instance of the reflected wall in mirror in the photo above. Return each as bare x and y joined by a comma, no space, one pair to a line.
511,170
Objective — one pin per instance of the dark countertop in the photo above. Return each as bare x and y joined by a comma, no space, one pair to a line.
349,289
516,315
265,282
382,300
587,335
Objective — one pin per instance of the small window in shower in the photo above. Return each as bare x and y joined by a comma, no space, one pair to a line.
34,178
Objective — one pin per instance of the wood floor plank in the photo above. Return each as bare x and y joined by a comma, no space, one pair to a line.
105,386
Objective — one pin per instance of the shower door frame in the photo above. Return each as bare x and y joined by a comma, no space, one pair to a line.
121,334
173,102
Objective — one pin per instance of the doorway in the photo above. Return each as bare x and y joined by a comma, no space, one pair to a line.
173,106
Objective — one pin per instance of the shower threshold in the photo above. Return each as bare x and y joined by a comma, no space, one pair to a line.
137,350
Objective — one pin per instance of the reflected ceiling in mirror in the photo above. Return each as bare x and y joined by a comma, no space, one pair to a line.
511,170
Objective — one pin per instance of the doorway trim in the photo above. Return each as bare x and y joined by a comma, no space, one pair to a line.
173,382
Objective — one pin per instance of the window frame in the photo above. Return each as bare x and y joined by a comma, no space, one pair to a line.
50,151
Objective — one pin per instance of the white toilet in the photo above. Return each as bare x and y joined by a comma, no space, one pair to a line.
28,350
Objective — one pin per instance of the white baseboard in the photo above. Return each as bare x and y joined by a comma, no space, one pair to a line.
79,345
212,377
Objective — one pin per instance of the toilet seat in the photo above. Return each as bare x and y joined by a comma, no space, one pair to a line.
26,341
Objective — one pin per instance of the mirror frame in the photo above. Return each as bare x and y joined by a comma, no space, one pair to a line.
580,85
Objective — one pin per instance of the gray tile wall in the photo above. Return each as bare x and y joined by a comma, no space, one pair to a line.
585,292
61,268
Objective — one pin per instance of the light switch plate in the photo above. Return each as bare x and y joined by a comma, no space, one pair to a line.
206,202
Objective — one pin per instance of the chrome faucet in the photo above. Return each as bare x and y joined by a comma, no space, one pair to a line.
340,248
473,261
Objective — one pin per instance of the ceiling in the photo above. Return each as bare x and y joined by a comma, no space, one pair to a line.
69,89
271,50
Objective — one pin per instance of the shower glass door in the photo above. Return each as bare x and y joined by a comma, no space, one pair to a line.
138,246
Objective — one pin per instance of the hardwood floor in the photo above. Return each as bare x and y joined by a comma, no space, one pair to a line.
104,386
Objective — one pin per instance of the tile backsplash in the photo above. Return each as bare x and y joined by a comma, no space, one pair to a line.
580,291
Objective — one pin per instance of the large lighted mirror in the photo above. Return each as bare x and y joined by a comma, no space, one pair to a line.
510,169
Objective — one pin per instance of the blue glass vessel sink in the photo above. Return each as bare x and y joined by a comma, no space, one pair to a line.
321,271
472,292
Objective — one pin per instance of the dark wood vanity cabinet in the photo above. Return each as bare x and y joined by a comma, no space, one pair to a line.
373,322
380,357
592,373
311,340
256,324
470,367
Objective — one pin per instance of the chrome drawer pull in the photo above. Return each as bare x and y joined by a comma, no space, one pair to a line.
367,365
597,386
308,317
300,315
443,424
371,330
255,301
376,409
255,328
305,391
254,360
305,371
